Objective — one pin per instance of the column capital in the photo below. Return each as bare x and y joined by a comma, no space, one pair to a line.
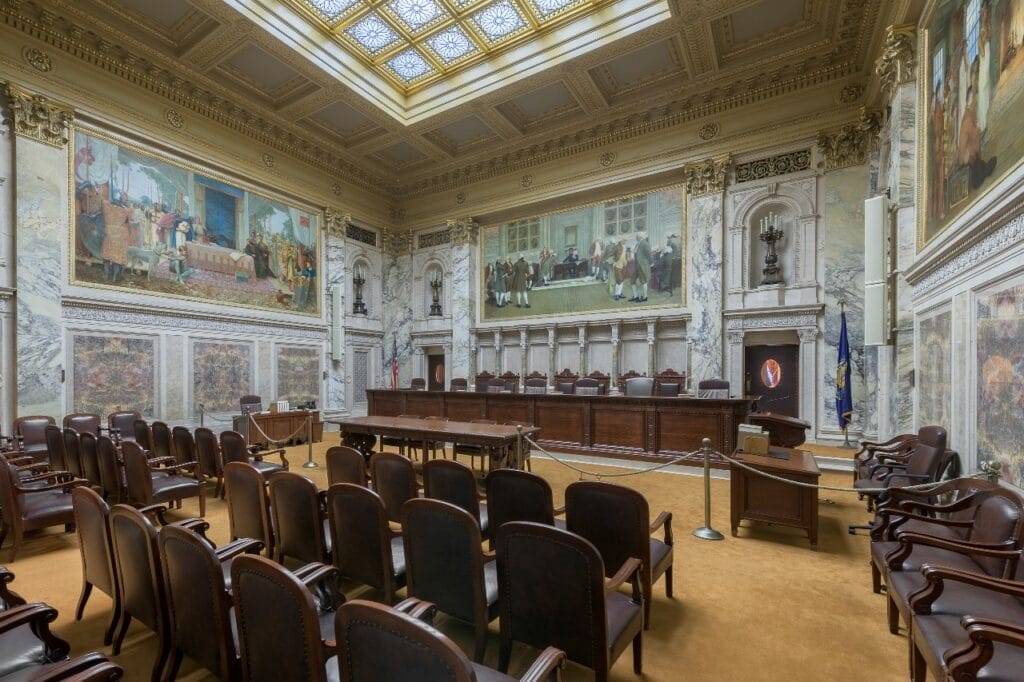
850,144
419,350
808,335
336,222
463,231
37,116
735,338
897,64
707,176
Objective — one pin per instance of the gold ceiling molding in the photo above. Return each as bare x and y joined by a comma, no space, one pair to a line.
898,64
707,176
37,59
850,144
464,231
36,116
336,222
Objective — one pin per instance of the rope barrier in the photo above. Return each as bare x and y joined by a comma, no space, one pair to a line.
276,442
204,414
584,472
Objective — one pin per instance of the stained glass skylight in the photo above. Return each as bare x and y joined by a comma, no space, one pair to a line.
414,42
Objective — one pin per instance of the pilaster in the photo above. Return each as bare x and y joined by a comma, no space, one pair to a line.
464,237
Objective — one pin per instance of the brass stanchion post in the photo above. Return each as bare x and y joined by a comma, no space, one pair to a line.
519,447
310,464
706,532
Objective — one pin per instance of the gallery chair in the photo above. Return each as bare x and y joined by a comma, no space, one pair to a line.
300,519
554,593
642,387
55,454
94,541
149,485
366,549
208,455
396,441
248,504
73,453
514,495
233,448
163,446
920,465
416,651
84,422
46,503
345,465
446,565
394,479
870,451
475,451
29,432
455,483
110,467
184,445
617,520
142,433
122,424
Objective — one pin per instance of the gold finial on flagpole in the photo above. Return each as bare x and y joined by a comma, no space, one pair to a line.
842,305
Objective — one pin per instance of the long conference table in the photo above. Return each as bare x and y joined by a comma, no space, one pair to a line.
649,428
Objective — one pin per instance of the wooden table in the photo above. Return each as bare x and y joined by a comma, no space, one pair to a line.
361,433
279,426
757,498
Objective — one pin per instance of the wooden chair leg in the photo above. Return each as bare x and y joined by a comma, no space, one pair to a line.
83,598
668,582
876,579
202,503
638,653
173,666
894,616
645,586
115,616
126,620
918,668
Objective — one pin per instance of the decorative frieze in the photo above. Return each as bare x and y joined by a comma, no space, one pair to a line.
37,116
431,239
463,231
360,234
397,243
336,223
37,59
768,167
708,176
897,64
850,144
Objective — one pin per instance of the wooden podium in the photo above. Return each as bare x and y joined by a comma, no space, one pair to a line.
278,426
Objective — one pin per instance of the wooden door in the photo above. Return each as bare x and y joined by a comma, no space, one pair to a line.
773,373
435,372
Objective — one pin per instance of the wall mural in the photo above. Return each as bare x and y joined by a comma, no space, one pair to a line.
973,104
617,255
147,225
113,373
221,374
298,374
1000,408
934,361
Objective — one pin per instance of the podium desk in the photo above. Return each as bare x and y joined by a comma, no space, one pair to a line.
757,498
279,426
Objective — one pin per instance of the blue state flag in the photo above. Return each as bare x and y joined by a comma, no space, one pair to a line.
844,395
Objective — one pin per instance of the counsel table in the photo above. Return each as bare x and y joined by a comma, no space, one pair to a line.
501,439
757,498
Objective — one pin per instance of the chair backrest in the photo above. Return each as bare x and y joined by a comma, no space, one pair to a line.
416,651
514,495
458,384
30,428
73,452
496,385
83,422
931,448
639,386
250,403
589,386
184,445
93,537
90,459
614,518
345,465
565,387
536,381
266,593
143,436
483,380
137,566
199,614
248,503
9,507
122,423
54,439
511,380
394,479
137,473
997,519
443,558
208,452
359,534
110,472
713,388
452,482
233,447
161,435
418,384
297,517
536,559
671,378
668,390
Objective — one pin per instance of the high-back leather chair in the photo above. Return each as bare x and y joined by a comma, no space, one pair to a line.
73,453
445,565
394,479
167,484
667,389
250,403
293,649
233,448
122,424
713,388
29,431
416,651
163,446
642,387
248,504
514,495
94,542
54,438
110,469
87,444
142,433
921,465
458,384
418,384
367,550
184,445
208,455
345,465
83,422
449,481
299,518
46,503
587,386
617,520
554,593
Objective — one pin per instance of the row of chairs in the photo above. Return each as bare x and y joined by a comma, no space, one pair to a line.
28,435
430,448
948,558
29,650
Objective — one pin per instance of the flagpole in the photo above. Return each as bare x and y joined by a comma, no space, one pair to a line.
846,427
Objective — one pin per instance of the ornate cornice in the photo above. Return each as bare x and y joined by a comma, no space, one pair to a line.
780,164
37,116
707,176
897,65
335,221
850,144
464,231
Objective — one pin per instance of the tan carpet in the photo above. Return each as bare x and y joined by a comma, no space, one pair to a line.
762,606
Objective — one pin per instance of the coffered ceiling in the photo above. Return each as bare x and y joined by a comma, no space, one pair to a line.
301,71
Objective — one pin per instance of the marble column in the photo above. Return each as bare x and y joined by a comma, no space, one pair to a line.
41,130
613,387
499,354
652,350
335,223
447,347
463,233
397,301
735,360
808,375
705,186
552,356
583,351
419,365
474,354
8,331
524,360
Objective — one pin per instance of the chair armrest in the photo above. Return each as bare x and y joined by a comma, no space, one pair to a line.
418,608
38,616
239,546
630,568
65,485
895,558
935,576
322,582
160,460
892,519
8,597
664,519
965,502
158,510
91,667
198,526
177,468
966,660
27,464
547,667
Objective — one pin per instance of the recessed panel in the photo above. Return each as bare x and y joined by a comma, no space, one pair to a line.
261,68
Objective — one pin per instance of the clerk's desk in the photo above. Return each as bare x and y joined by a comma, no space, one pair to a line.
279,426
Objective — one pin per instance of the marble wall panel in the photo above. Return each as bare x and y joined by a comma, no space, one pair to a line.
705,285
361,375
463,278
934,368
398,314
671,354
336,286
172,377
265,369
633,356
42,218
298,374
222,372
110,373
599,357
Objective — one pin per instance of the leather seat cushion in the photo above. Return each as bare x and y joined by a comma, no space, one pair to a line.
933,529
52,505
484,520
485,674
174,486
624,619
397,557
491,583
661,556
21,653
267,467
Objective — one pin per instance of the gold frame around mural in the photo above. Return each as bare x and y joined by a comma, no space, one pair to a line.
683,240
923,104
126,141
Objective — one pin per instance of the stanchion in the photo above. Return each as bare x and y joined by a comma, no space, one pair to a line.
706,532
309,464
519,447
202,415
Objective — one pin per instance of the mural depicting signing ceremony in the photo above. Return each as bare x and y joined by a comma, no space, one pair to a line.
147,225
616,255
